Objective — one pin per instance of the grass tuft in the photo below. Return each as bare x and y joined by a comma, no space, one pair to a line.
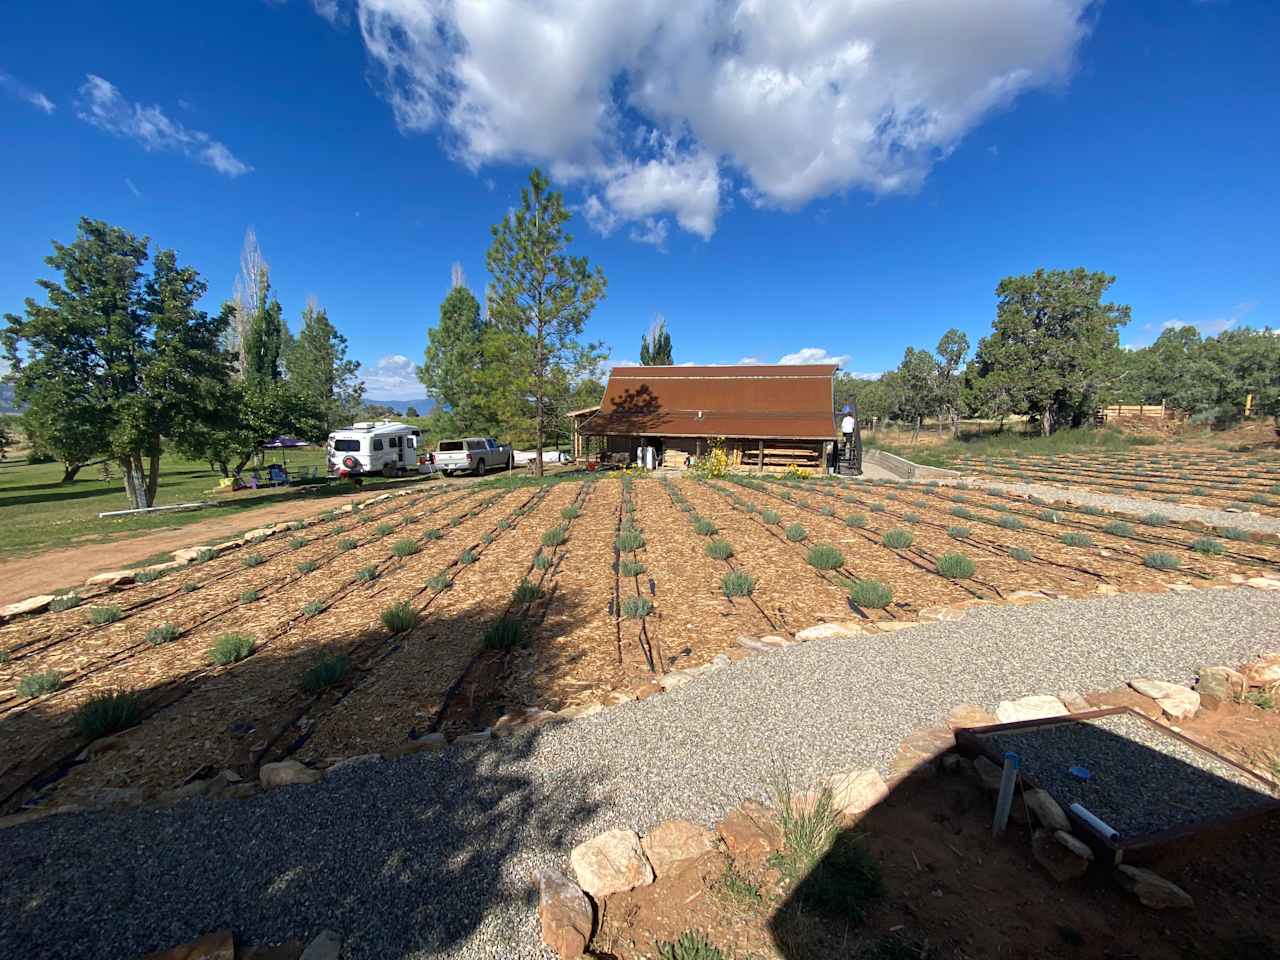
147,576
1155,520
367,574
108,712
554,536
250,595
1010,523
405,548
307,566
629,540
399,617
231,648
1118,528
796,533
467,557
104,615
871,594
313,608
955,566
1020,554
825,557
1232,533
897,539
526,592
440,581
64,602
770,516
542,561
330,669
704,527
206,554
636,607
692,945
253,560
1161,561
384,529
631,568
297,543
958,533
719,549
504,634
1074,539
1208,546
39,684
164,633
571,511
855,520
737,583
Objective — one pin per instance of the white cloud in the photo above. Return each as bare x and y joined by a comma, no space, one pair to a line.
812,355
748,359
20,91
651,230
102,105
670,107
1217,325
335,11
133,188
393,377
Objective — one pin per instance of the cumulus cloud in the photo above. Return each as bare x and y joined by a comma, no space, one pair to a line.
101,104
813,355
15,88
393,377
670,107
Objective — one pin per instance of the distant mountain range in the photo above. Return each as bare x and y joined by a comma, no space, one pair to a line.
423,406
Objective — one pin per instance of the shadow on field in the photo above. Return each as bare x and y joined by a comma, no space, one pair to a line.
402,857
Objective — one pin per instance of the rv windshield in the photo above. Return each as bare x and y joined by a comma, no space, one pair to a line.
346,446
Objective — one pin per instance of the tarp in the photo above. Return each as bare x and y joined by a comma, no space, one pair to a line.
285,443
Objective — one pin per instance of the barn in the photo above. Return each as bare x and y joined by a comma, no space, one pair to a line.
766,415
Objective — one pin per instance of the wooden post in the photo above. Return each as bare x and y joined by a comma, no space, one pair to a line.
760,462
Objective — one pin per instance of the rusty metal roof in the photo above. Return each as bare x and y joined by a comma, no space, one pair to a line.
749,401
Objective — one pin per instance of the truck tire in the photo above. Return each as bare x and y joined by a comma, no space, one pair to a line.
479,468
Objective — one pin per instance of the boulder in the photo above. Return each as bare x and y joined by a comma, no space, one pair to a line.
1065,857
112,578
1030,708
1153,890
611,863
749,830
1179,702
968,715
1047,811
830,631
286,773
565,913
942,612
326,945
1073,701
1264,671
1263,583
763,644
261,533
29,605
1221,682
673,844
219,945
581,710
989,774
857,792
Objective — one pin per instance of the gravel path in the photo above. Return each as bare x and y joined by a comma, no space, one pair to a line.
431,856
1134,505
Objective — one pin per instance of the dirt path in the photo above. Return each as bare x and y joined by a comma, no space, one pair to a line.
68,566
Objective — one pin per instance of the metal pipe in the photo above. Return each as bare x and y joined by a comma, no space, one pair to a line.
175,506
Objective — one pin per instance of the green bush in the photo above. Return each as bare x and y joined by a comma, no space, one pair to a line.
231,648
719,549
911,518
737,583
855,520
770,516
897,539
1050,516
1077,539
206,554
65,602
253,560
307,566
955,566
38,684
399,617
147,576
504,634
1155,520
1232,533
190,587
1021,555
526,591
542,561
250,595
1161,561
1092,511
875,506
297,543
692,945
704,527
958,533
636,607
104,615
571,511
1010,523
108,712
554,536
440,581
629,540
1118,528
467,557
796,533
164,633
384,529
870,594
330,669
405,548
313,608
825,557
350,543
1208,546
367,574
435,533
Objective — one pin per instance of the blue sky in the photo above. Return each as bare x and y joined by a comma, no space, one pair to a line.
777,178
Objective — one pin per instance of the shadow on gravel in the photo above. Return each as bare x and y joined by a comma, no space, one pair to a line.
919,877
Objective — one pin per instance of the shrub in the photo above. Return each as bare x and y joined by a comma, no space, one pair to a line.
1232,533
467,557
737,583
692,945
383,529
911,518
435,533
1010,523
871,594
164,633
504,634
827,510
629,540
1018,553
796,533
189,587
719,549
897,539
405,548
636,607
1161,561
770,516
440,581
104,615
571,511
1155,520
367,574
330,669
958,533
1077,539
206,554
147,576
1208,546
875,506
504,524
855,520
1118,528
399,617
297,543
250,595
526,591
955,566
231,648
307,566
1050,516
704,527
108,712
1092,510
253,560
825,557
542,561
38,684
64,602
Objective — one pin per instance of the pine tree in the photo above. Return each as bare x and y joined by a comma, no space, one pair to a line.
655,346
319,369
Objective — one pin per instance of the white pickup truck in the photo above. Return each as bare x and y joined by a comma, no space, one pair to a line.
472,455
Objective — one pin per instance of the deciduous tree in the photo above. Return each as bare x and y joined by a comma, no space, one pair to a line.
655,346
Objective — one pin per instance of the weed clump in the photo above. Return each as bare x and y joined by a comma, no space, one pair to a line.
1118,528
770,516
1077,539
855,520
100,616
65,602
554,536
307,566
1208,546
631,568
1010,523
504,634
571,511
958,533
1155,520
629,540
1161,561
253,560
1021,555
526,591
231,648
467,557
313,608
796,533
692,945
297,543
440,581
367,574
206,554
250,595
542,561
147,576
704,527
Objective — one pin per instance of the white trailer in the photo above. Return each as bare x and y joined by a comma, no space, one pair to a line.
385,447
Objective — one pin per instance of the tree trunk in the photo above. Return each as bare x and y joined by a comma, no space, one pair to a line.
1046,421
134,485
915,429
69,471
153,475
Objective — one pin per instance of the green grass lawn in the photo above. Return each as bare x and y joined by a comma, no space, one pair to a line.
38,513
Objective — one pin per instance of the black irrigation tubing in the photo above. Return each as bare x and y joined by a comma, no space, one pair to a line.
829,576
1057,477
125,654
995,549
729,562
910,555
645,642
232,569
1193,479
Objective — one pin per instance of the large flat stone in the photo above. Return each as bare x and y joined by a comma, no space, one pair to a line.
830,631
29,605
1153,890
611,863
565,913
749,831
1036,707
857,792
673,844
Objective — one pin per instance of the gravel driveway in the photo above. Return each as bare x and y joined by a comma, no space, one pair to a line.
430,856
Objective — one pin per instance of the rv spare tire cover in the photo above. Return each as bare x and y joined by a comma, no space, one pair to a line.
350,463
